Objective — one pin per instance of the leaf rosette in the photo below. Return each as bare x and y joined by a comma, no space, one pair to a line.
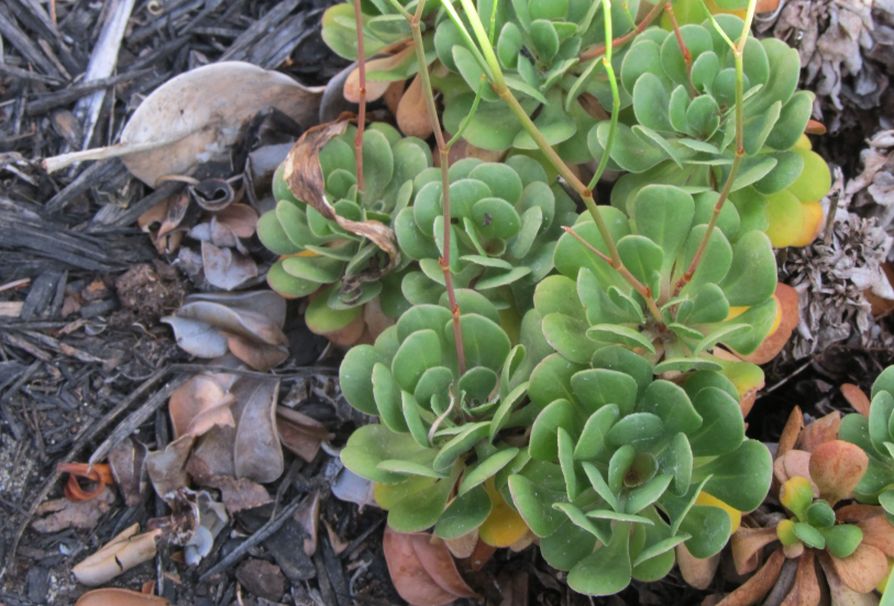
506,221
445,441
621,465
327,245
683,126
728,301
875,435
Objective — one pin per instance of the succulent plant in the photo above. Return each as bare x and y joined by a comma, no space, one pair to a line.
875,435
506,221
318,255
440,430
679,127
728,301
622,467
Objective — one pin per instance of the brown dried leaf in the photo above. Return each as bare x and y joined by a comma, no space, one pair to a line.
878,532
259,356
746,545
791,464
304,176
422,569
412,112
375,88
309,518
790,432
239,494
836,467
820,431
213,455
241,219
862,570
856,397
113,596
481,556
805,590
393,95
755,588
841,594
698,572
226,268
463,546
856,513
788,310
300,433
127,460
60,514
167,467
257,453
126,550
200,404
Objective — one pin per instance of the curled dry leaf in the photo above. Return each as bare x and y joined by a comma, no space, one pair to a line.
309,518
412,112
257,453
746,546
238,494
422,569
167,467
758,585
127,460
698,572
113,596
300,433
856,397
59,514
200,404
304,176
99,474
126,550
836,467
863,569
248,324
199,114
820,431
787,319
226,268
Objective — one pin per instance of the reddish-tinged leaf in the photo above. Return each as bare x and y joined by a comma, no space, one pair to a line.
414,580
300,433
375,319
805,590
839,593
746,546
792,464
481,556
856,397
836,468
790,432
824,429
856,513
393,95
787,318
813,127
698,572
113,596
754,589
99,474
862,570
878,532
241,219
412,112
376,88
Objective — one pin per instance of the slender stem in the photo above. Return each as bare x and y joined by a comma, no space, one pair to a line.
687,54
444,158
600,49
738,55
361,102
644,291
616,97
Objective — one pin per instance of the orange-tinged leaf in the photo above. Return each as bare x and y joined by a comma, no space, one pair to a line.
878,532
746,546
856,397
836,467
412,112
806,590
856,513
790,432
503,527
422,570
463,546
113,596
824,429
375,88
862,570
199,404
814,127
754,589
811,223
787,317
698,572
792,464
839,593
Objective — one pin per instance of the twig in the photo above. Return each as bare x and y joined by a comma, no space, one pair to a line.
361,102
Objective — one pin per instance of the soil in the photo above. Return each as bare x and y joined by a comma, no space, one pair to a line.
87,340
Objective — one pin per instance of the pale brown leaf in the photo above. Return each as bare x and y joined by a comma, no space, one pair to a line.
791,464
127,460
422,569
412,112
123,552
836,468
198,405
241,219
259,356
257,454
375,88
805,590
824,429
167,467
300,433
856,397
60,514
114,596
463,546
698,572
841,594
746,546
863,569
878,532
790,432
226,268
755,588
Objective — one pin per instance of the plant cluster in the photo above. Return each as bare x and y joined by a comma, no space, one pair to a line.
542,372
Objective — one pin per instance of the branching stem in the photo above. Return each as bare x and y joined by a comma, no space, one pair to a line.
687,54
600,49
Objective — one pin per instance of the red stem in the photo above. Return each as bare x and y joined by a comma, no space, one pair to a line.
599,49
